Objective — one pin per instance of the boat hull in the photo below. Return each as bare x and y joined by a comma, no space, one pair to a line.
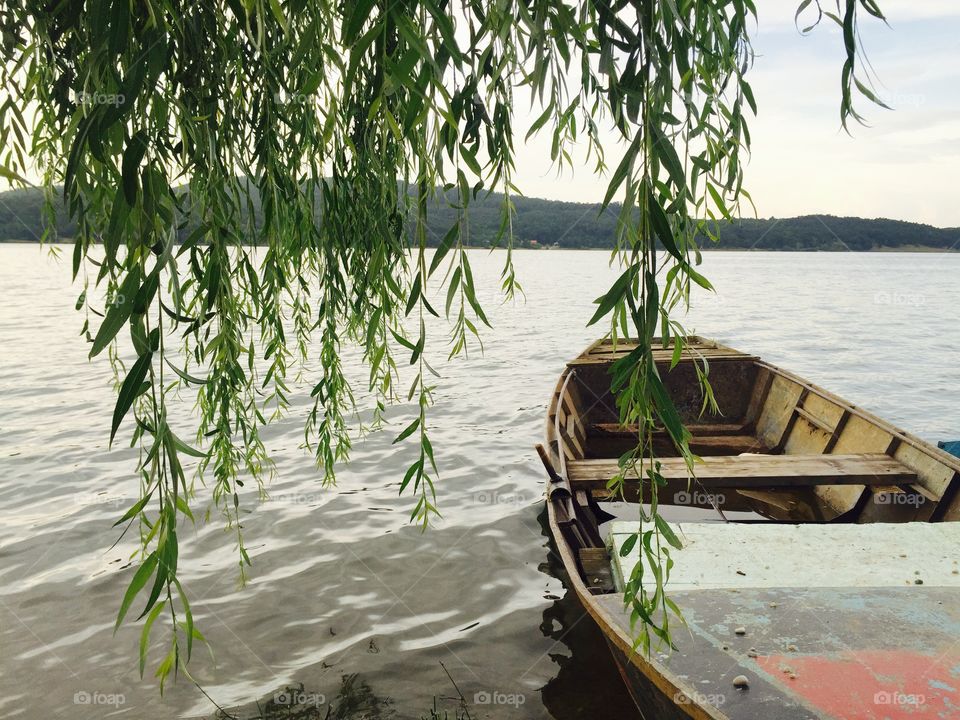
793,453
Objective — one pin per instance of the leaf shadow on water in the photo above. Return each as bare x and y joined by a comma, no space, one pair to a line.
588,683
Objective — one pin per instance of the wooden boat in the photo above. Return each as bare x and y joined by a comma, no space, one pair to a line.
819,559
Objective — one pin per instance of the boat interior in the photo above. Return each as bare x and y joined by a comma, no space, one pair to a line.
779,450
812,523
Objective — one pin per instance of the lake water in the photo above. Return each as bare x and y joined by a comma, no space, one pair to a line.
344,597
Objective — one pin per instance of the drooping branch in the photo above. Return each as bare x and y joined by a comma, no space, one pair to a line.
183,134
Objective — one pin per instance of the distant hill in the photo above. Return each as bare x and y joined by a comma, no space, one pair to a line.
578,225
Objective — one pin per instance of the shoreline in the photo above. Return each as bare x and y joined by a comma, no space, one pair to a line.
905,249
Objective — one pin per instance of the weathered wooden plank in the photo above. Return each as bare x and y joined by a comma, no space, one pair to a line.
612,440
758,395
683,493
733,555
781,401
796,504
704,429
815,420
805,438
721,444
822,412
761,471
628,344
934,475
596,569
852,434
662,356
709,445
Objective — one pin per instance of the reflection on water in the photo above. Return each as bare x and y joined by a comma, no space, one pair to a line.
354,699
587,683
341,587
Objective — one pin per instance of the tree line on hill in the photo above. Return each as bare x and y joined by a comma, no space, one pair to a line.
552,223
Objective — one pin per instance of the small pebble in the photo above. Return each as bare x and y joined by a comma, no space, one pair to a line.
956,572
787,669
740,681
791,648
773,604
793,676
726,647
741,630
751,653
918,581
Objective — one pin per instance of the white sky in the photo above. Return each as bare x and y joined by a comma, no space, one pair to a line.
905,165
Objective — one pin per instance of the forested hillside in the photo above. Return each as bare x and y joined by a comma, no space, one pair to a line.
575,225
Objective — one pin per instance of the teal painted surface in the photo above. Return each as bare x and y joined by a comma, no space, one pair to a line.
951,446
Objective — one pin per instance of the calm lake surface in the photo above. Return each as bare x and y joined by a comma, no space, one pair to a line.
344,598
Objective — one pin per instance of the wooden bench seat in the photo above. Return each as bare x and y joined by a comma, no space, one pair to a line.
759,471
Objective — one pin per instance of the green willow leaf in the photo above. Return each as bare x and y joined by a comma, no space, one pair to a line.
131,388
145,633
118,312
407,431
360,14
627,547
663,148
444,247
10,174
130,170
614,295
140,578
185,375
134,510
668,535
661,227
181,446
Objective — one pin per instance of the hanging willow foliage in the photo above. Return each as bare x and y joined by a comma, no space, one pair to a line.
184,134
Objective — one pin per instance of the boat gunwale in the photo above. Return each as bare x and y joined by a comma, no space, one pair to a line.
918,443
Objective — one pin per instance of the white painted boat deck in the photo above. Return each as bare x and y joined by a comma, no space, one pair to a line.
772,555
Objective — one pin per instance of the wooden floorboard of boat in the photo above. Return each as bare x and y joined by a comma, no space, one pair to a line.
754,471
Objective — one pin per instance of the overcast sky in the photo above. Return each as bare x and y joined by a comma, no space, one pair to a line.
905,165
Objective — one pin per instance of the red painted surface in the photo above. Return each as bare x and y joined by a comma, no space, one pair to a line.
873,684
